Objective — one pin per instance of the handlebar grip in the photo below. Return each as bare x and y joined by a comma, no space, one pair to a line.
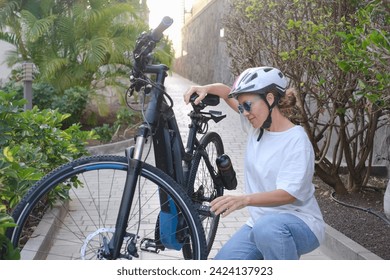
157,33
209,100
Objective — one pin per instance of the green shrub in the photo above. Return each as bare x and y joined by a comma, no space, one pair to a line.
104,132
33,143
7,250
73,101
43,95
126,117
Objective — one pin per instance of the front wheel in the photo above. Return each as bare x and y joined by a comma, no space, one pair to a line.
82,226
202,184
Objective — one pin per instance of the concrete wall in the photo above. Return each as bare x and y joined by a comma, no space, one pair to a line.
203,56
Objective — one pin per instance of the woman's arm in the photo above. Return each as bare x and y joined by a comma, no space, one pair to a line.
227,204
218,89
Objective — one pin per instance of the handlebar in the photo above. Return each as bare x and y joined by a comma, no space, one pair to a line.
146,43
209,100
144,46
157,33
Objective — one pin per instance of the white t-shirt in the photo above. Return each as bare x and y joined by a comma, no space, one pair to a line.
283,160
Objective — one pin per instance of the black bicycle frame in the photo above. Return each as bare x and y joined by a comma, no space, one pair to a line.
169,152
170,155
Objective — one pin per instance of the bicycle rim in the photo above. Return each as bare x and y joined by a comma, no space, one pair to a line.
82,227
201,182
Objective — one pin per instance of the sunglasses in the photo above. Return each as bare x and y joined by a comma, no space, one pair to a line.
246,106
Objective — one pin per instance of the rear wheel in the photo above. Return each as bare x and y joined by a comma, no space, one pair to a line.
82,226
201,183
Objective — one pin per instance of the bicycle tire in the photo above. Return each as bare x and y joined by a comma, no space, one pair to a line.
83,225
200,181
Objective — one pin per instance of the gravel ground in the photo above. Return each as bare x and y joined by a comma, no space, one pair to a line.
362,226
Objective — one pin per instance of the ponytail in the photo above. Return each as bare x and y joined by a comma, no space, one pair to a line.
287,105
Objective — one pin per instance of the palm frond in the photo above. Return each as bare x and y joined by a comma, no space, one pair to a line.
9,38
96,51
7,11
52,66
37,27
65,31
12,57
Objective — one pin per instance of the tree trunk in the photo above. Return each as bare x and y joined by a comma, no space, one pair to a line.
355,182
332,179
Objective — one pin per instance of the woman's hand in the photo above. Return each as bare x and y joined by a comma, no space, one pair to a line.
201,91
228,203
218,89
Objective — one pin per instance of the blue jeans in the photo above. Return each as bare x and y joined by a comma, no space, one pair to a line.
273,237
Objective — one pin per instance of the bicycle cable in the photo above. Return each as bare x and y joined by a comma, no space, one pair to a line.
147,80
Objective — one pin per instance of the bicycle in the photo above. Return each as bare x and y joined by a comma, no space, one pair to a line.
164,209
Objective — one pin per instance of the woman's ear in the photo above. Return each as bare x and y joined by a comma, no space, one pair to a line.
270,98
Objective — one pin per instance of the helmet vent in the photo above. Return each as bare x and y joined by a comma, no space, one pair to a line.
254,76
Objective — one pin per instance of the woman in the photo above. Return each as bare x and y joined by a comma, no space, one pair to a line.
285,219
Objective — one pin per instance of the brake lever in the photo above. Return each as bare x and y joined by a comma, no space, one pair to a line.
216,116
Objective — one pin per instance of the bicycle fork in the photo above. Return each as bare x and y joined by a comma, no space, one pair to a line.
134,156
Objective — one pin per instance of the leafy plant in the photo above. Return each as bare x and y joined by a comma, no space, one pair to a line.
32,144
72,102
7,250
69,42
366,45
75,44
104,132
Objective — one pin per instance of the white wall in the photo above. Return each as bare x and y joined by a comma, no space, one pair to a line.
4,70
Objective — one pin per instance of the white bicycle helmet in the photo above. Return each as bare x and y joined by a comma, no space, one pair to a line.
260,80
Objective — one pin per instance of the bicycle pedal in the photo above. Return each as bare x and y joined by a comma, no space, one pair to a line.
205,210
149,245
